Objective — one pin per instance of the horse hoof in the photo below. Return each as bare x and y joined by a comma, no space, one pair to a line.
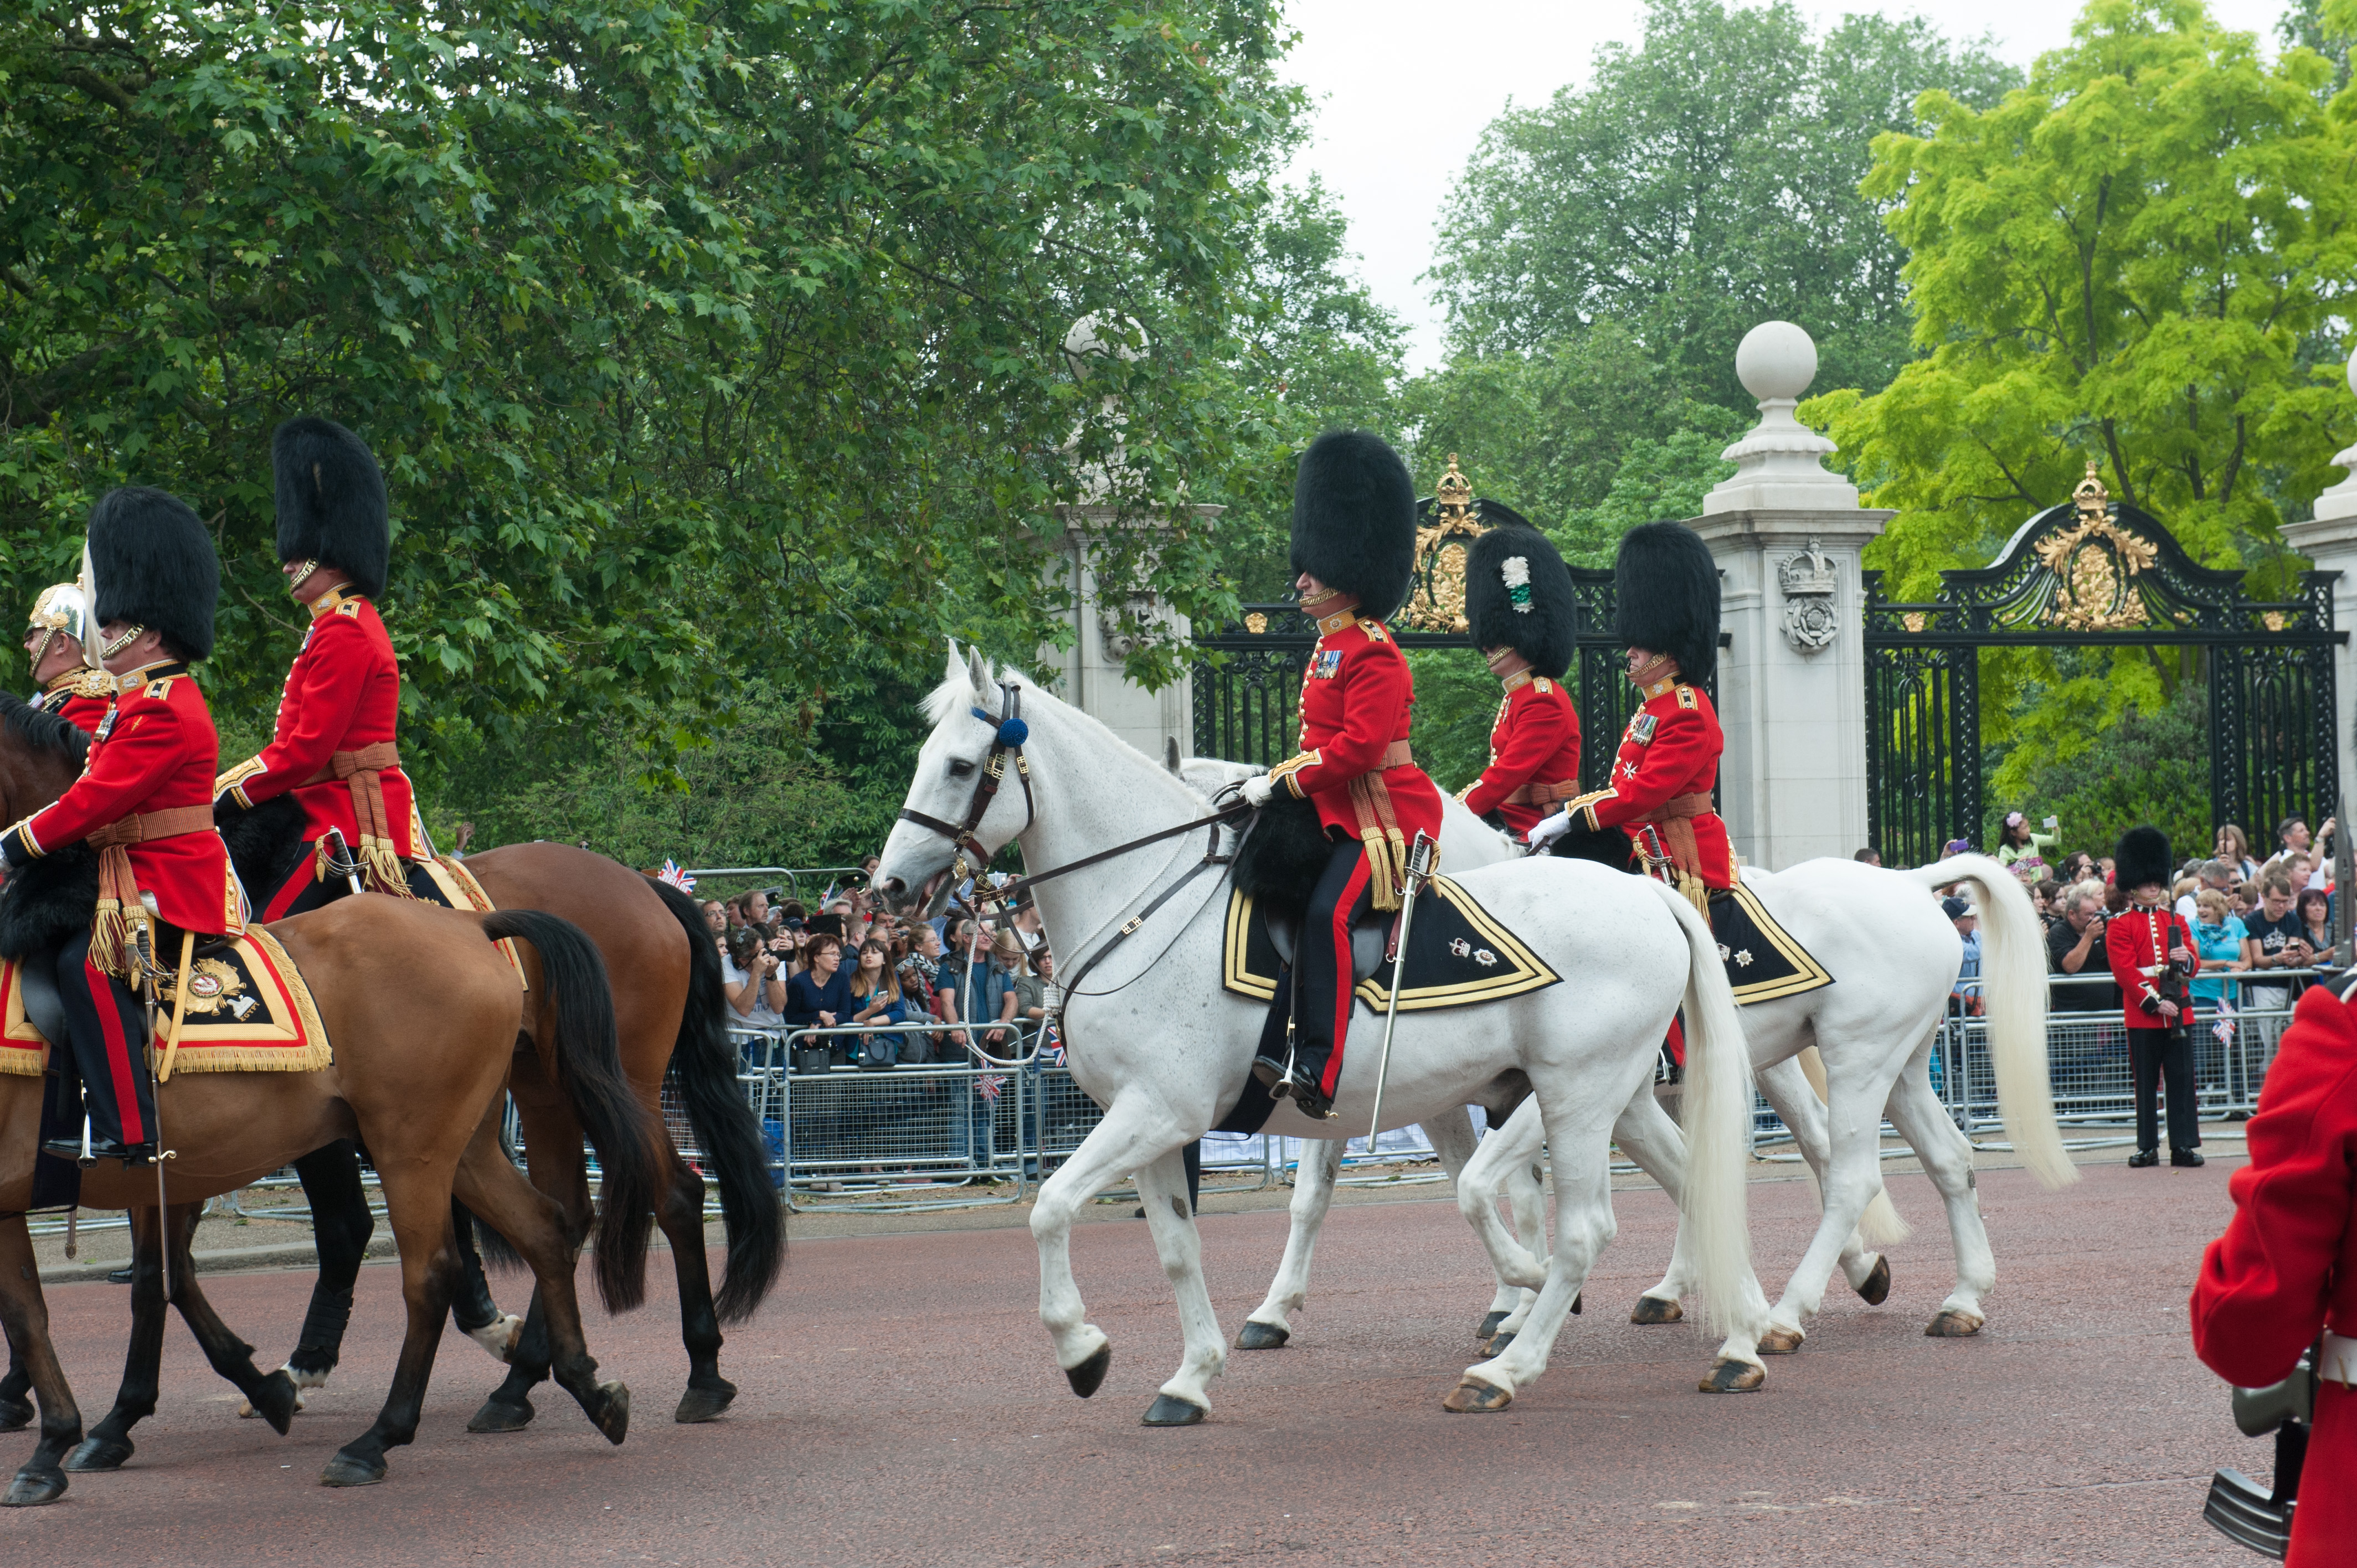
1954,1325
280,1399
1654,1309
497,1415
1876,1288
704,1404
1780,1341
1498,1343
613,1417
343,1470
15,1416
95,1454
1262,1337
1733,1377
1089,1375
1473,1397
1489,1325
1167,1411
32,1487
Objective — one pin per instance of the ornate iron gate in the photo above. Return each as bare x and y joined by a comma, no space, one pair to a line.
2094,573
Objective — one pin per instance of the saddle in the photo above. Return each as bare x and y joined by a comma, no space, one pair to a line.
247,1009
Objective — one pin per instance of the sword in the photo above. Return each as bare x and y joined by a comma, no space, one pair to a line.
1419,870
339,857
147,995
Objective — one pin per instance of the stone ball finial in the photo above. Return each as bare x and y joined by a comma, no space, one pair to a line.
1776,359
1098,335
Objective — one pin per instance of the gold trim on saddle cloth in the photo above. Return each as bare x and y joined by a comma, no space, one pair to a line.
459,886
1807,973
253,1014
1511,969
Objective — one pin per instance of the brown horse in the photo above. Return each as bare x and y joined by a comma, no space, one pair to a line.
668,1004
416,1074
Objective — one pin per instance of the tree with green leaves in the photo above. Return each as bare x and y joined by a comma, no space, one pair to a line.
700,342
1703,181
2127,262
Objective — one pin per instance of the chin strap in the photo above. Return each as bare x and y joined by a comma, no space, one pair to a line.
303,576
130,636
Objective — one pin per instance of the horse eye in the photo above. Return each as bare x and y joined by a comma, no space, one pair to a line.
960,768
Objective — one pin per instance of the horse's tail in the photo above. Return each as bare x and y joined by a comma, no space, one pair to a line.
2013,967
704,1065
585,1061
1717,1106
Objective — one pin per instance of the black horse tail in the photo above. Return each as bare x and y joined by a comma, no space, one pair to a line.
704,1065
586,1060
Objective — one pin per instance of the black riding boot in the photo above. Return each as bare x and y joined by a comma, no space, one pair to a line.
108,1029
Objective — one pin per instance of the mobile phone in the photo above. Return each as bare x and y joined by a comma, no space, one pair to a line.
2052,823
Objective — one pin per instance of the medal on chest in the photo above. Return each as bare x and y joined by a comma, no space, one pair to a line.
1641,727
1327,665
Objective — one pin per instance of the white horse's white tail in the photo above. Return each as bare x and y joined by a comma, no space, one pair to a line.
1716,1107
2013,971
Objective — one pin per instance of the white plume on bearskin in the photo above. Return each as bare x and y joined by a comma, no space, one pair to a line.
1519,594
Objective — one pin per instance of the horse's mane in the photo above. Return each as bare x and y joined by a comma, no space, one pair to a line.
52,733
956,692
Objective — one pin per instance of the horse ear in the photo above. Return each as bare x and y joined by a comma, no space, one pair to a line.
1170,753
977,674
956,665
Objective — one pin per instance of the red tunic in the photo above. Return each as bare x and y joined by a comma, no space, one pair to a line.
1534,741
1671,748
2136,941
1355,698
343,693
2287,1262
155,750
65,698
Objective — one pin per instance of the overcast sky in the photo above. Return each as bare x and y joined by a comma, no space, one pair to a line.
1403,89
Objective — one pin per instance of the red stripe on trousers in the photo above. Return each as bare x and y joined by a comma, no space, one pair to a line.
118,1052
302,876
1343,905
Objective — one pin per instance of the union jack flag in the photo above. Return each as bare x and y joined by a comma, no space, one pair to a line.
989,1085
671,874
2224,1029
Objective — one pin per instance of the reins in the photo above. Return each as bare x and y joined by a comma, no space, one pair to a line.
1009,734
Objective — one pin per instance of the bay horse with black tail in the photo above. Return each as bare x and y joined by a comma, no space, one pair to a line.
670,1006
415,1077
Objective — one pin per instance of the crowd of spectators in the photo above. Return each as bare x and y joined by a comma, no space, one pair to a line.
785,967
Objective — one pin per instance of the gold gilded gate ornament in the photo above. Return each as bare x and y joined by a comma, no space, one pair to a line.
1437,603
2095,566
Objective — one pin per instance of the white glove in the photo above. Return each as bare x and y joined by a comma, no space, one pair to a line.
1258,789
1550,830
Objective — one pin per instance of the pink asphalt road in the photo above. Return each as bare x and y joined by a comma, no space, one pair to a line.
899,1405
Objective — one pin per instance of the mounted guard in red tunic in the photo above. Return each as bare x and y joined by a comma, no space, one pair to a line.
143,802
1354,547
1521,610
333,749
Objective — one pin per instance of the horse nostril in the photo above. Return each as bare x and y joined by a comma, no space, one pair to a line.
894,886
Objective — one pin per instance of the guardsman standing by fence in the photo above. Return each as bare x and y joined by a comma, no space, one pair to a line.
2152,957
1666,589
333,749
2286,1267
143,802
1354,547
1520,607
56,633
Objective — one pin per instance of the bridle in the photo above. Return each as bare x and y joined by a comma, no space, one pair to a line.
1010,732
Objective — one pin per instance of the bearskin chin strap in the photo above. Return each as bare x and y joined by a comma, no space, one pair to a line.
303,576
109,649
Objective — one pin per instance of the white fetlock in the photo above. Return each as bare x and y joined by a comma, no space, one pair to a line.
245,1411
499,1336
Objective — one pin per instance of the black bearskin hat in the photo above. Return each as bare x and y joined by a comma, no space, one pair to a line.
152,563
1518,595
332,506
2142,856
1665,596
1354,520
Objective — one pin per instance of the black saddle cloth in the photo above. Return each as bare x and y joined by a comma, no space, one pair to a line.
1763,961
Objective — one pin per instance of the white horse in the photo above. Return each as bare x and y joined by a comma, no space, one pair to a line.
1152,1036
1883,930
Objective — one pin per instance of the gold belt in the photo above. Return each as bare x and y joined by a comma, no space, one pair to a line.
362,771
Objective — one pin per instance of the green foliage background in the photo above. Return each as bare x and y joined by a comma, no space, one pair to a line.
713,347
